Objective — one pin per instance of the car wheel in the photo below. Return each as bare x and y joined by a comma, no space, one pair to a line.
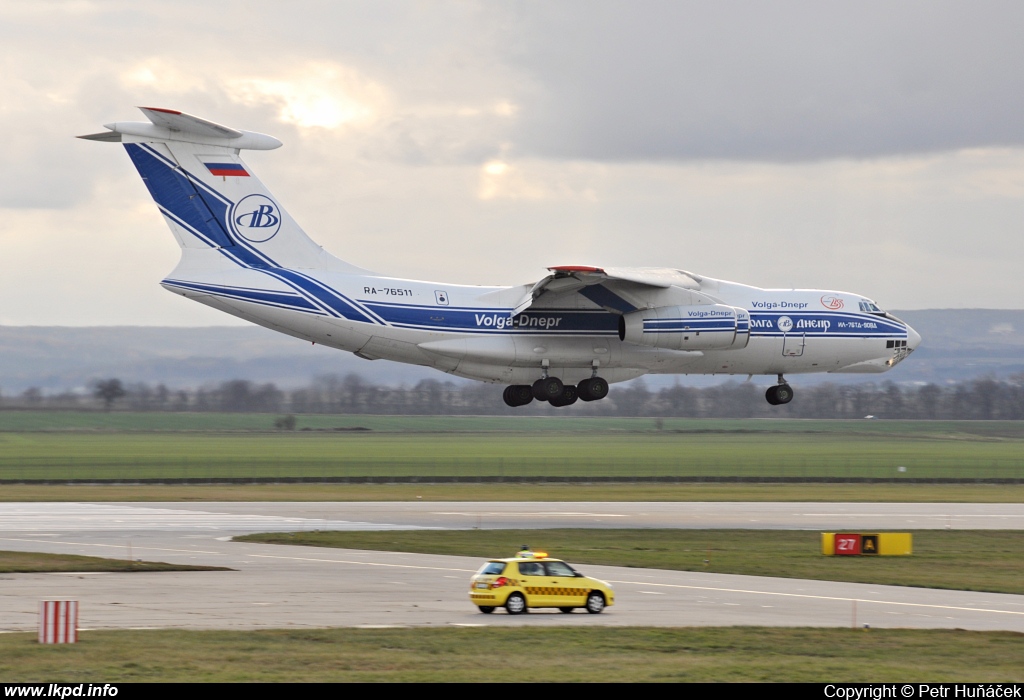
516,604
486,609
595,603
567,610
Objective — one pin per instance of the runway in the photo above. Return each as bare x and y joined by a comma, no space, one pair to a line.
378,515
293,587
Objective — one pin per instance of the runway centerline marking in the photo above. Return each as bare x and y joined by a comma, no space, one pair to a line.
366,563
821,597
539,513
910,515
114,546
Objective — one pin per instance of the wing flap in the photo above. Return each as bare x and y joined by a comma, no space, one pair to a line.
566,278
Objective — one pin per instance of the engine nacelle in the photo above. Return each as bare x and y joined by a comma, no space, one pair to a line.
703,327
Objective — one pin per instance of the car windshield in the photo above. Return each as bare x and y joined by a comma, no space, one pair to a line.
491,568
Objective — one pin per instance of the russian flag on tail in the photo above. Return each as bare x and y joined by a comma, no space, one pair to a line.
226,169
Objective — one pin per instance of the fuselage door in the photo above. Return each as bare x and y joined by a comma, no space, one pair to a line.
793,344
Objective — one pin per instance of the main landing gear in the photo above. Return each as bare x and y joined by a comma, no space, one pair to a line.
552,390
779,394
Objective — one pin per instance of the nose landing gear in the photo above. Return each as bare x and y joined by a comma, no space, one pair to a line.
781,393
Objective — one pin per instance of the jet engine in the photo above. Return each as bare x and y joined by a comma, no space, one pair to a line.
701,327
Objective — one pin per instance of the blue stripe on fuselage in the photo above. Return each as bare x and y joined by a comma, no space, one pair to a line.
259,296
497,320
680,325
825,324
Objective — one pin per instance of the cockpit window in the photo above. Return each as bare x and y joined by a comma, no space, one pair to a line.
870,307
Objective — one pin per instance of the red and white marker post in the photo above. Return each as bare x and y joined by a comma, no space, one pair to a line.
58,621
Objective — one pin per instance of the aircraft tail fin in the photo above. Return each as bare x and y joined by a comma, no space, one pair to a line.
209,197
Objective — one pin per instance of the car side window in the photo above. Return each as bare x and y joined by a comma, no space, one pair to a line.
559,568
530,568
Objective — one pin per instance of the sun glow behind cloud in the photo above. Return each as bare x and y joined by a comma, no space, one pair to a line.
538,180
319,95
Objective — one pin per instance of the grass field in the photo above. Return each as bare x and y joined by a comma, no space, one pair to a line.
124,421
515,654
36,562
81,446
954,559
118,421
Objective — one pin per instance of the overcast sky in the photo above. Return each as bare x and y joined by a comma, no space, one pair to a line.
871,147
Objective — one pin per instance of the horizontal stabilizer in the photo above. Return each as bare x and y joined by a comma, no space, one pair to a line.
186,123
108,136
171,125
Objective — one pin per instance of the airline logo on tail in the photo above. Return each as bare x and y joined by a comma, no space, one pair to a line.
256,218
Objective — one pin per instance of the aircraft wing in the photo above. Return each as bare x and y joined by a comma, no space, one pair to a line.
568,278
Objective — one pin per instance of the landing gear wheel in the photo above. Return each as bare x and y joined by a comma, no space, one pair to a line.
568,397
779,394
783,393
516,604
567,610
507,397
595,603
486,609
517,395
593,389
547,388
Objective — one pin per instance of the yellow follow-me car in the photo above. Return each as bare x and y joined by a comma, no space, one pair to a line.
533,580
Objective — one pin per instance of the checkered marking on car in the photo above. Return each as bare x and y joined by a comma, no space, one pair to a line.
550,590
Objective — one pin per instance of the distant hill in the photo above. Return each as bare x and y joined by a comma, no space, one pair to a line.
958,345
61,358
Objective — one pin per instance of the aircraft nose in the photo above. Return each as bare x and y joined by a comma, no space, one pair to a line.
913,338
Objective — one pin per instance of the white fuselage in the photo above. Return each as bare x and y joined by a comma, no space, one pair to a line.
468,330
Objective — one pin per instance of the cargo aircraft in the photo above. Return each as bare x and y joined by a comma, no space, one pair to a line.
560,339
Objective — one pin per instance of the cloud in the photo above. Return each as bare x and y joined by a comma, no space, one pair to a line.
876,147
769,81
